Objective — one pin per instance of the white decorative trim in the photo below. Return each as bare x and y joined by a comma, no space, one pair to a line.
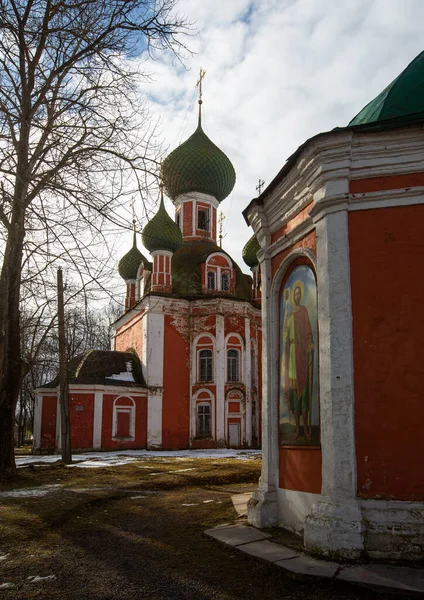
220,359
193,413
38,411
292,237
97,420
123,409
293,508
58,440
154,420
155,332
248,382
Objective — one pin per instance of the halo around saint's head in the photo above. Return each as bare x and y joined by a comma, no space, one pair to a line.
298,284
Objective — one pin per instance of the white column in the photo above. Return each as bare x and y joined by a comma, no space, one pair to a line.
248,381
220,382
155,333
97,420
154,420
335,524
58,442
38,411
263,507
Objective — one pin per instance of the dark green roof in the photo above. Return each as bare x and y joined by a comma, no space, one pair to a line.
187,270
401,101
161,232
128,265
198,166
250,252
100,366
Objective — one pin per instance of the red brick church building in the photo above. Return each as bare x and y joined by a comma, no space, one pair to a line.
184,369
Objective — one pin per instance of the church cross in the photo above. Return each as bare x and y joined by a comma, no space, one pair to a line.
221,219
202,73
260,185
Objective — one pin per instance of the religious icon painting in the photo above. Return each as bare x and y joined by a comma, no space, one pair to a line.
299,393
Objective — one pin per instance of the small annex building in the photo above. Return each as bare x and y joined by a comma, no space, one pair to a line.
341,257
190,336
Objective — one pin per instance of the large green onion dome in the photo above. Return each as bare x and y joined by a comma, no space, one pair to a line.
161,232
129,264
198,166
250,252
402,101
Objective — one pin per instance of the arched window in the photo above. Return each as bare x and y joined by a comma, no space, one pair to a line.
203,420
225,281
233,365
211,280
123,419
205,365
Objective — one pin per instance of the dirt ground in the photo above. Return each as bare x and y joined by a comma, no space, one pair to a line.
136,532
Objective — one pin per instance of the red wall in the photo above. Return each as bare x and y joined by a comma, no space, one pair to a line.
140,424
130,335
300,467
48,422
176,397
81,421
386,262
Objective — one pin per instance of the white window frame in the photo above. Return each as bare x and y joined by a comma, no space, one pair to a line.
237,358
123,409
199,358
200,404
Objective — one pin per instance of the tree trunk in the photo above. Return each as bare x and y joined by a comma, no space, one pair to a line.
7,450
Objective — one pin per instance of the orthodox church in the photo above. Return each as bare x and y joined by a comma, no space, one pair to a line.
184,368
341,257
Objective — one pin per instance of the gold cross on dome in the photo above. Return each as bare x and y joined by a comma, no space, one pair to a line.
202,73
260,185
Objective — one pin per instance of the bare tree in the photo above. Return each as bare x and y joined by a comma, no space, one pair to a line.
72,132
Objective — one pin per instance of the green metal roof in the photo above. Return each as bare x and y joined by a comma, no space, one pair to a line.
161,232
402,100
250,252
128,265
198,166
187,270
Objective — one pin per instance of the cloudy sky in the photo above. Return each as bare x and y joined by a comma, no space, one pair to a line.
278,72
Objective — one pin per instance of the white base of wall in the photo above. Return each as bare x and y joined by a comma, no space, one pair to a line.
293,508
263,509
335,528
394,529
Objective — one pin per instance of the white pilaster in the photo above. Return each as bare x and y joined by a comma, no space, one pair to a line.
248,381
58,442
97,420
154,338
154,420
38,411
334,524
263,507
220,381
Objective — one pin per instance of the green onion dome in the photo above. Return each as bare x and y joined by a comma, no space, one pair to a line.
198,166
129,264
402,101
161,232
250,252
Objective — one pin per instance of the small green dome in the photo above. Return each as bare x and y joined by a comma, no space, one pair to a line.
161,232
129,264
250,252
402,101
198,166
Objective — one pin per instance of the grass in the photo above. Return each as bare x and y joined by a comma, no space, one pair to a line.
136,532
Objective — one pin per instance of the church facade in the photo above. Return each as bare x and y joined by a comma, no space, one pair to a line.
190,336
341,252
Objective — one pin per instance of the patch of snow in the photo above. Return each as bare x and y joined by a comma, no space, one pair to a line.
207,501
118,458
137,497
5,586
183,470
190,504
38,578
4,557
37,492
123,376
155,473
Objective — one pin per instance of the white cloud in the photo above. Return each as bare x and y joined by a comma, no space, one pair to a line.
278,72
